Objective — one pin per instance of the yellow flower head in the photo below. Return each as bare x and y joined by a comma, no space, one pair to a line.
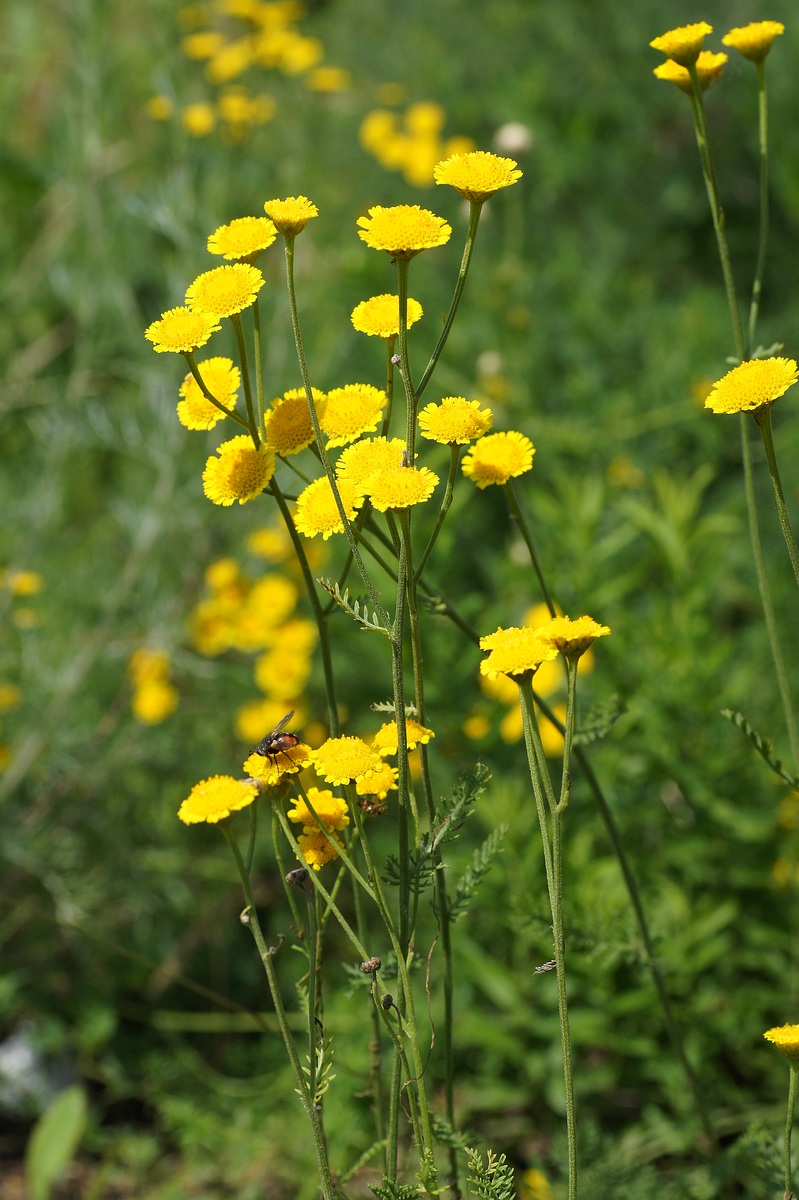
152,702
331,811
317,511
379,316
181,331
290,215
146,666
21,583
754,40
498,457
271,542
786,1039
255,716
572,638
270,769
225,291
385,741
281,673
288,427
317,849
515,652
683,44
382,781
404,230
222,380
329,79
216,798
358,463
198,119
752,385
455,421
401,487
345,760
10,697
239,473
478,175
708,69
243,239
350,412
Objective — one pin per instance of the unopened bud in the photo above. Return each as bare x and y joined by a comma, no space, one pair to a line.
371,965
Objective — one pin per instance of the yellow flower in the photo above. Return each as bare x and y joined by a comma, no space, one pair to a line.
551,737
752,385
404,230
535,1186
222,573
345,760
230,60
216,798
291,215
202,45
239,473
148,666
455,421
317,511
350,412
359,462
379,316
329,79
382,781
271,542
317,849
288,427
198,119
572,638
225,291
786,1039
683,44
385,741
222,379
154,701
256,716
498,457
270,769
160,108
515,651
242,239
476,727
22,583
478,175
282,674
708,69
10,697
754,40
331,811
400,487
180,331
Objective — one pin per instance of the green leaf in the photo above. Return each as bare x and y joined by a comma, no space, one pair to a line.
763,746
54,1140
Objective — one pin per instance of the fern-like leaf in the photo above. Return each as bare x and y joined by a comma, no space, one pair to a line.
763,746
355,608
600,720
476,871
494,1180
389,1189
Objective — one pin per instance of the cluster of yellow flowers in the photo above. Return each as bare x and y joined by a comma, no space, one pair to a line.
234,38
684,52
411,142
20,584
154,697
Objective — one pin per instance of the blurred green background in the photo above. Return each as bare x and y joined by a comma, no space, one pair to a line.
593,321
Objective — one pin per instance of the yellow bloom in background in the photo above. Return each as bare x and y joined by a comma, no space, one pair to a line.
401,487
317,511
345,760
154,701
198,119
10,697
21,583
26,618
147,666
256,621
181,331
786,1039
752,385
385,741
359,462
456,421
503,689
291,215
684,43
270,769
350,412
202,45
754,40
382,781
255,718
551,737
223,573
271,542
708,69
222,380
216,798
225,291
318,849
281,673
498,457
331,811
329,79
298,636
239,473
572,638
242,239
476,727
288,427
514,651
535,1186
230,60
404,230
379,316
478,175
160,108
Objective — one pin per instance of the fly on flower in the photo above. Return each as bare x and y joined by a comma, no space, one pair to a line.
277,742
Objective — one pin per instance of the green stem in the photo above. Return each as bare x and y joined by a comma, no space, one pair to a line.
389,386
454,457
290,891
404,365
213,400
794,1069
238,329
763,420
259,366
253,834
403,807
314,952
518,517
475,208
274,988
757,284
